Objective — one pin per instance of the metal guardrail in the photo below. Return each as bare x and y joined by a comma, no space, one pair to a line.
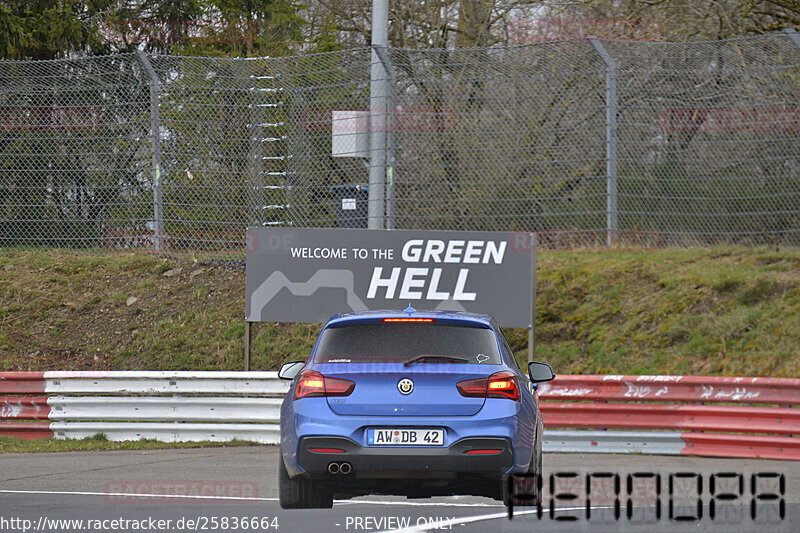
613,442
220,406
613,402
669,416
674,389
166,382
169,432
166,406
172,409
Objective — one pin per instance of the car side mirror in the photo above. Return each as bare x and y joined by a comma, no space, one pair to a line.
290,370
540,372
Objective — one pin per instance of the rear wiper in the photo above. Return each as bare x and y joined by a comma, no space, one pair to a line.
442,358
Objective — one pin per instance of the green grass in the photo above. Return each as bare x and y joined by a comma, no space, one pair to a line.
722,311
100,443
717,311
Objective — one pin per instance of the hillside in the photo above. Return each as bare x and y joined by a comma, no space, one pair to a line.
731,311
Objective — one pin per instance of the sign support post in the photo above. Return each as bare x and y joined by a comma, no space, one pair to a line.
532,325
248,344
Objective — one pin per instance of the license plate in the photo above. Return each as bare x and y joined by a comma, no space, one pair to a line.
405,437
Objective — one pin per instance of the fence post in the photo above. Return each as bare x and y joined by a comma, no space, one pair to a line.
611,140
377,116
390,126
155,129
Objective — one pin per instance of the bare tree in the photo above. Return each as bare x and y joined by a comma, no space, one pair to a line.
422,24
691,20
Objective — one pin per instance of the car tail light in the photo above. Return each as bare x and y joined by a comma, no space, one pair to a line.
327,450
503,385
408,320
473,388
483,452
338,387
311,383
498,385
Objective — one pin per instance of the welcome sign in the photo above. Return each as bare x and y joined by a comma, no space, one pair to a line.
311,274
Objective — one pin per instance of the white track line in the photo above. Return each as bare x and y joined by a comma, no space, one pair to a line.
448,524
420,504
138,495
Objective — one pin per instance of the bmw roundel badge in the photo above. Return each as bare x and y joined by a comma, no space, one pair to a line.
405,386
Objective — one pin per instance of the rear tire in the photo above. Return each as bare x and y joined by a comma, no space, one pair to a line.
300,493
535,470
527,484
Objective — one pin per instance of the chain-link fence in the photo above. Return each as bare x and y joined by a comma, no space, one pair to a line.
74,151
589,143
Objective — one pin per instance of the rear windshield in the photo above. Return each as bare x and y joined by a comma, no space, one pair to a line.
382,342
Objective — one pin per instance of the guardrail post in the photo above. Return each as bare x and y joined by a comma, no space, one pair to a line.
611,140
155,136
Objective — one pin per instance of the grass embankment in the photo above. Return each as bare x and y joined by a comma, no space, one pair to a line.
723,311
719,311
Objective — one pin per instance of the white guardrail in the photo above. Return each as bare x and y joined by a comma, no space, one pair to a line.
166,406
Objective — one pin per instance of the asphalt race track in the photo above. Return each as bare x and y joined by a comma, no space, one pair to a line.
235,489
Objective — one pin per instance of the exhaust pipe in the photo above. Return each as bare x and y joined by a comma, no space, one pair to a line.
344,468
333,468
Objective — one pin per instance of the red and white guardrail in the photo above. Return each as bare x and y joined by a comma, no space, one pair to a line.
710,416
694,415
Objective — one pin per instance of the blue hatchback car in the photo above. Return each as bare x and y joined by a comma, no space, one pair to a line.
412,403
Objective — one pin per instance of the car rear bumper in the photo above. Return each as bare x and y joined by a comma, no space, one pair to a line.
381,460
